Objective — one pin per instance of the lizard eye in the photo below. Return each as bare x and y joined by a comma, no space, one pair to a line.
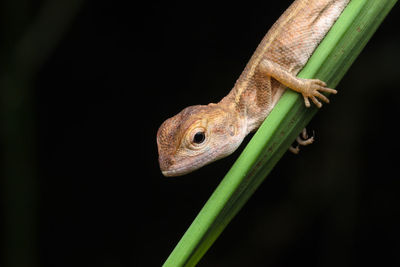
199,137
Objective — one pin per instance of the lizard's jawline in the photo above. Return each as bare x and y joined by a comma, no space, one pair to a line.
185,169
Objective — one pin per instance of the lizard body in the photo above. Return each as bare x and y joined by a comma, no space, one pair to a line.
201,134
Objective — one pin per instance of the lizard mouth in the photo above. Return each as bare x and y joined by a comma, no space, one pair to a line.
175,172
182,169
187,166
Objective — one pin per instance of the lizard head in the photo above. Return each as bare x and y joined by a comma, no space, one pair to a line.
197,136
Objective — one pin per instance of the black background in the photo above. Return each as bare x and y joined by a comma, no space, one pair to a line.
96,196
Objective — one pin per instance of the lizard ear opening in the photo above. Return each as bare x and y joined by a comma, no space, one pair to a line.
232,130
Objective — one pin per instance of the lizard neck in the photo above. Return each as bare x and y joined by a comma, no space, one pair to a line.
252,101
243,107
237,110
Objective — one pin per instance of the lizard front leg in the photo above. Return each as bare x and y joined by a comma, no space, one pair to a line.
309,88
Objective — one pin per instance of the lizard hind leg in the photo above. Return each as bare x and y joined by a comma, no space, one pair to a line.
302,140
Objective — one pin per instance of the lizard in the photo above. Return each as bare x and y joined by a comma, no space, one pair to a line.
201,134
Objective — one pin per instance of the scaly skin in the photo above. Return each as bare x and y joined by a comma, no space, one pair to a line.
201,134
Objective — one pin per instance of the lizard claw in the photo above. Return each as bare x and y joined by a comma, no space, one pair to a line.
312,89
302,140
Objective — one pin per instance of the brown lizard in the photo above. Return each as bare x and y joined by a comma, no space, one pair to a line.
201,134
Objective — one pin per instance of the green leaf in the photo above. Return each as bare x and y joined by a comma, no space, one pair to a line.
330,61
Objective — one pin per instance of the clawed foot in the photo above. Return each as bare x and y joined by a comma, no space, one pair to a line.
302,140
312,88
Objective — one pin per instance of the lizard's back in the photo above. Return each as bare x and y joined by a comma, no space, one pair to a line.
290,42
